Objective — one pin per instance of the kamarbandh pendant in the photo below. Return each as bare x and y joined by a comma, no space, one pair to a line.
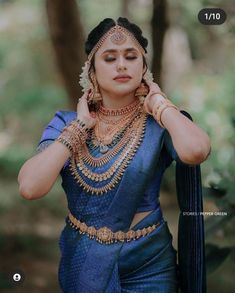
103,148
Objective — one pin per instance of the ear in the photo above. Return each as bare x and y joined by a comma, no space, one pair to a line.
144,69
145,66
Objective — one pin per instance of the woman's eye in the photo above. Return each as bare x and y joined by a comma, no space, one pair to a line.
131,57
113,58
109,58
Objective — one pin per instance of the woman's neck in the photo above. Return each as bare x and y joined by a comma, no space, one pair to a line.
116,102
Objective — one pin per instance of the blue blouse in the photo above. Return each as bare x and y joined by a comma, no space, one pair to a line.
79,205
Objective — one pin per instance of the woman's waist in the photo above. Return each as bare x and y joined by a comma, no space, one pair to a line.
93,228
95,215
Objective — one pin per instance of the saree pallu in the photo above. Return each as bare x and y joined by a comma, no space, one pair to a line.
147,264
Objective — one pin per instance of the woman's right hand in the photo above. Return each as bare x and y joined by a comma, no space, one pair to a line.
83,113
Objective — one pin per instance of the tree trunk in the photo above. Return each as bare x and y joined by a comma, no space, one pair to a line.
68,41
125,8
159,25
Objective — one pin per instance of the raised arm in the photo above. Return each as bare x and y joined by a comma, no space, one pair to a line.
39,173
191,143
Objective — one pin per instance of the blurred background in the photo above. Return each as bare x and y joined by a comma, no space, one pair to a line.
41,55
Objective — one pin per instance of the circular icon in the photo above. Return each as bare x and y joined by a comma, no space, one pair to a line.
17,277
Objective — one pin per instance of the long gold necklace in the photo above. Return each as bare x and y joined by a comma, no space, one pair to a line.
111,176
97,162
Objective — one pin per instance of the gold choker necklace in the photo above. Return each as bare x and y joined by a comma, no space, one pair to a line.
121,111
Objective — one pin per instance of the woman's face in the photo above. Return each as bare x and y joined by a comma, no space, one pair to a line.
119,68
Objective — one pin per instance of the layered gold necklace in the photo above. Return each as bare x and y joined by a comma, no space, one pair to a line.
119,142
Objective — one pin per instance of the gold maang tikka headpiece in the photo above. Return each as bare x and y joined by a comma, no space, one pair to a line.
118,35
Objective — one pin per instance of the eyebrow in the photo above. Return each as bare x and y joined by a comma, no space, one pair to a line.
114,50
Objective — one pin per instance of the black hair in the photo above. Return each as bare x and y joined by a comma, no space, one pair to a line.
106,24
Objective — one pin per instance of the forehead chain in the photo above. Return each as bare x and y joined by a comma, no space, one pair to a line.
118,35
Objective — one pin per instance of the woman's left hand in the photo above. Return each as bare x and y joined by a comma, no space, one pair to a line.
153,96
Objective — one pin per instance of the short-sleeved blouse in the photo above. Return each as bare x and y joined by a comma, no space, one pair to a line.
91,208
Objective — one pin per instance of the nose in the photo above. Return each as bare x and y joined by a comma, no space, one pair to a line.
121,65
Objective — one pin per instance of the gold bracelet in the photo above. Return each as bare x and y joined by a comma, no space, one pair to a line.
65,143
73,135
159,108
160,115
157,105
155,93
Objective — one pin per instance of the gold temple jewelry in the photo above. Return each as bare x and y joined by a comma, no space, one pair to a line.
107,137
65,142
95,94
109,173
146,104
105,175
122,161
161,109
158,109
103,117
90,189
107,236
142,90
73,136
118,37
116,34
97,162
121,111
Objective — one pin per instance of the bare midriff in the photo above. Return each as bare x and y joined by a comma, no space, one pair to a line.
138,217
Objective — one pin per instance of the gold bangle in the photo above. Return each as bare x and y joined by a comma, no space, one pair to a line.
159,93
65,143
155,93
160,115
157,105
158,110
73,135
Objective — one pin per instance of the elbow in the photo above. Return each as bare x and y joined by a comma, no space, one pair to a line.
29,193
203,150
24,190
30,189
198,154
25,193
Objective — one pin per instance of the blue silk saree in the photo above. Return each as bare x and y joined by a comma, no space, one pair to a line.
148,264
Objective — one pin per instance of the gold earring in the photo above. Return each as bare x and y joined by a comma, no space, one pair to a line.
142,90
94,95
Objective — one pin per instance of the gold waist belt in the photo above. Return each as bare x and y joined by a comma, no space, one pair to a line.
105,235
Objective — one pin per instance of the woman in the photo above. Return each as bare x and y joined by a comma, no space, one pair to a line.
111,155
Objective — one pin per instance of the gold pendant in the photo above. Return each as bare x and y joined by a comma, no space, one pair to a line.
103,149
